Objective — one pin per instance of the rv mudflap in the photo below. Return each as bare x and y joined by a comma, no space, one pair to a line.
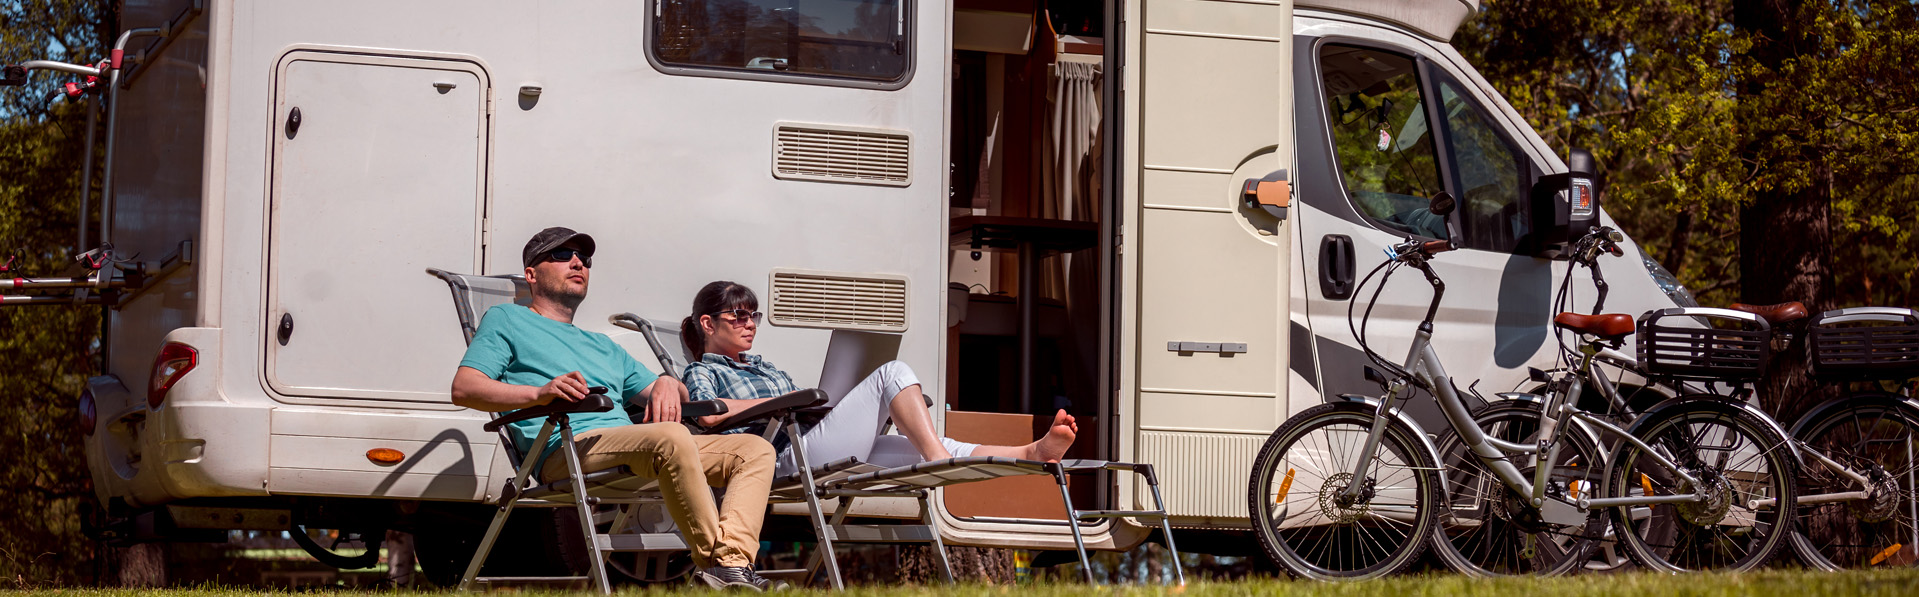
1425,441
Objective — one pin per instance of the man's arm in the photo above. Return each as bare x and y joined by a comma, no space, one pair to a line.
473,389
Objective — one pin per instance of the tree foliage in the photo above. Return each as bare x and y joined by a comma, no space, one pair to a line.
45,352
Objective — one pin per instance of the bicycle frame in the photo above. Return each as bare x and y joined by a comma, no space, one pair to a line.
1423,363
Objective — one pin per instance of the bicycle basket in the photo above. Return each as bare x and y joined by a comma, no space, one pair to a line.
1865,343
1703,343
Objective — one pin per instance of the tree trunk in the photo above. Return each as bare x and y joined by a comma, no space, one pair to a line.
970,564
1679,243
1785,238
142,565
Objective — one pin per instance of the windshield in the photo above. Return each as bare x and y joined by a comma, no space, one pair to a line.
1667,282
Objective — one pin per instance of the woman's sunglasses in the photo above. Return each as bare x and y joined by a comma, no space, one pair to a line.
740,316
567,255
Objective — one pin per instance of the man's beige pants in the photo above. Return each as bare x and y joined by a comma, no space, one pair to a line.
688,466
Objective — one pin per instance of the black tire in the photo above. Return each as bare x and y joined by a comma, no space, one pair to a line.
1486,529
1741,458
1872,435
1381,534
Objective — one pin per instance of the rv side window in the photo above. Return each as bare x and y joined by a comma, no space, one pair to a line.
1490,174
1381,140
856,39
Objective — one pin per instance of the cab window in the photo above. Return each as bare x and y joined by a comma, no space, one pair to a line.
842,39
1489,172
1382,142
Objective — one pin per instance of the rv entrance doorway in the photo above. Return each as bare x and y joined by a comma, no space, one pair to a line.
1029,304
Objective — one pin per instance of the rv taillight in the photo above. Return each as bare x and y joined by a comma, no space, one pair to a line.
175,360
89,413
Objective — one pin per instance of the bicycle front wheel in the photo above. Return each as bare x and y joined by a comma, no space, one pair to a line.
1487,529
1312,525
1862,517
1743,470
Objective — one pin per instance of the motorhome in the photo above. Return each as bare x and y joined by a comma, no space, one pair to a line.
1149,213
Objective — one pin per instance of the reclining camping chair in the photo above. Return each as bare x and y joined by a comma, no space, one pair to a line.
582,490
850,478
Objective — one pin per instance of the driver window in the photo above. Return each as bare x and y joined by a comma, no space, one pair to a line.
1382,143
1491,201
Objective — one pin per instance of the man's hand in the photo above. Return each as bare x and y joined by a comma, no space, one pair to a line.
664,398
570,387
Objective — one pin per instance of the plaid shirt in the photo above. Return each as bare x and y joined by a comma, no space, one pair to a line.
715,376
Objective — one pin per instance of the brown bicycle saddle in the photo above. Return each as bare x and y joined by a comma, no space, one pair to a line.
1610,326
1775,314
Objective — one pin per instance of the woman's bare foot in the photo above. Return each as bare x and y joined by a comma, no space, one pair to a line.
1057,440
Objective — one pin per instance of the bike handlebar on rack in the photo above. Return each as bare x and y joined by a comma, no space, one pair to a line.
1586,252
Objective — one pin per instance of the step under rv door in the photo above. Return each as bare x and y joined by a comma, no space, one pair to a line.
378,173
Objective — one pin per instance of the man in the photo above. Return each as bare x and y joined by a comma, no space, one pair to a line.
530,356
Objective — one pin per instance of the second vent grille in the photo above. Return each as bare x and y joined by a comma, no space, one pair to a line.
841,301
842,154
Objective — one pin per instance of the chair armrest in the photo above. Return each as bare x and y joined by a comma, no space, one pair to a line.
689,409
773,407
592,403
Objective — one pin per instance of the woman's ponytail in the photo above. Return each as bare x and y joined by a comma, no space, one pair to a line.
692,337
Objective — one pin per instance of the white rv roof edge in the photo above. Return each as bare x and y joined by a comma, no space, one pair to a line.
1437,19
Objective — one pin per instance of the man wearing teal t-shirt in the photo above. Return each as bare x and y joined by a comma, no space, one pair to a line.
530,356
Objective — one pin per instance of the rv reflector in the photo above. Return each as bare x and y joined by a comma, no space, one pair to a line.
1284,486
385,456
1645,483
1886,554
1574,486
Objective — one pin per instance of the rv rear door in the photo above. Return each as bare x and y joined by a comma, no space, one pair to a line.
378,174
1209,103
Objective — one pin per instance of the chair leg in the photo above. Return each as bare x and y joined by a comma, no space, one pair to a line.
595,560
820,529
1165,526
939,547
1072,520
486,545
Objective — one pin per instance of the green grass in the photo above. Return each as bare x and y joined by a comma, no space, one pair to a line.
1771,583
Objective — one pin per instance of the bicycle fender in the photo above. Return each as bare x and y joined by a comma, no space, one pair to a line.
1425,441
1909,405
1792,446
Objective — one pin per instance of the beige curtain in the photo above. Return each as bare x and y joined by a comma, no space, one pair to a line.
1069,188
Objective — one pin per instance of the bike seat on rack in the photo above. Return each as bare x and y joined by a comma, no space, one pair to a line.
1775,314
1608,326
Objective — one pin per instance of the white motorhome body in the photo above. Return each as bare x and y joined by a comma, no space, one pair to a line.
320,156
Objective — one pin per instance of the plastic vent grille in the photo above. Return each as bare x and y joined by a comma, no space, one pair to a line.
838,301
842,154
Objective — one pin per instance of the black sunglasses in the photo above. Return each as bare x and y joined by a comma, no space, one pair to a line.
567,255
740,316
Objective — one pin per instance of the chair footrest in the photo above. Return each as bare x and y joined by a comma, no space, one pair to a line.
630,542
792,575
1085,514
882,533
571,581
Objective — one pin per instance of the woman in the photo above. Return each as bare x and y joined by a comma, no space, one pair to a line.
721,329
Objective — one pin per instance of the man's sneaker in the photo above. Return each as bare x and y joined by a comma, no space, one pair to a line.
765,584
726,577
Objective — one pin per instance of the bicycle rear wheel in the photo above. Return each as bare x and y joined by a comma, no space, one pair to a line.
1301,516
1871,436
1745,470
1487,529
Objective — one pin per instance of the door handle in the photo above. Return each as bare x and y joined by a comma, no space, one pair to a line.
1336,267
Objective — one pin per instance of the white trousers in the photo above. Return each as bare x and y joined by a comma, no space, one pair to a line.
853,427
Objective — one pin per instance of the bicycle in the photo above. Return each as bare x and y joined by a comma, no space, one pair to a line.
1855,451
1367,512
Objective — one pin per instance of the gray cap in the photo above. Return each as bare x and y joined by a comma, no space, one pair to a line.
550,239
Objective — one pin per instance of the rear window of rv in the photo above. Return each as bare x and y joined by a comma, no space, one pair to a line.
850,39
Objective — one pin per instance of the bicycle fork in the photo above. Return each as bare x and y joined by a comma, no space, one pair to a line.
1381,418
